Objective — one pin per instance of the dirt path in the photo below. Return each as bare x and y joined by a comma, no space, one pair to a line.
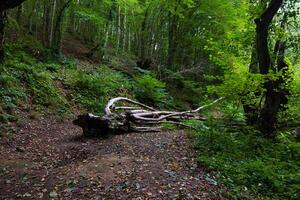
50,160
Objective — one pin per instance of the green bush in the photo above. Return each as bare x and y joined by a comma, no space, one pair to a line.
11,91
252,167
45,93
150,91
93,88
186,91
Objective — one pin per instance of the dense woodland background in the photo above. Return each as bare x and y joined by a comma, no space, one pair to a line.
63,55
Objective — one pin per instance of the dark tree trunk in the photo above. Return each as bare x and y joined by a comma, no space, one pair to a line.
46,24
19,14
5,5
274,96
56,44
277,94
172,42
2,36
143,38
262,34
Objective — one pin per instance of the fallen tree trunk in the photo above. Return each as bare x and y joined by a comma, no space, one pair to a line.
137,118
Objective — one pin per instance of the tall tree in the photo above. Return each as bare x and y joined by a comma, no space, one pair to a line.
274,95
4,6
57,32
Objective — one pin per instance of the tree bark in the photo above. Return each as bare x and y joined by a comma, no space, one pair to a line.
57,33
46,23
5,5
143,38
118,28
262,34
172,42
2,34
273,96
277,94
53,10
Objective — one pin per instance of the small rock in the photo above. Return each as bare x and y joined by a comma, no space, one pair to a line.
27,194
20,149
53,194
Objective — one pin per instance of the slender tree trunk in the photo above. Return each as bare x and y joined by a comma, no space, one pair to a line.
46,26
106,39
31,16
2,34
57,33
119,28
4,6
172,44
124,31
52,22
129,40
143,38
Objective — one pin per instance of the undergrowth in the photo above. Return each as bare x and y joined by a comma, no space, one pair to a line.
249,165
92,88
33,81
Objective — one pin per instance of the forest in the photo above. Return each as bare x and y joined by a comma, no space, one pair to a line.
150,99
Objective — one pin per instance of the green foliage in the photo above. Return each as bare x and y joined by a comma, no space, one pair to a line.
10,92
291,115
45,93
149,90
93,88
248,164
27,49
186,92
169,126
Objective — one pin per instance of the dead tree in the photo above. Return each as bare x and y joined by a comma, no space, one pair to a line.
136,117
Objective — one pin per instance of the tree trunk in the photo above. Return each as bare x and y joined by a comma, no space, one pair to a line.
53,10
5,5
118,28
57,33
124,31
2,34
262,34
46,23
143,38
31,16
172,42
273,99
277,93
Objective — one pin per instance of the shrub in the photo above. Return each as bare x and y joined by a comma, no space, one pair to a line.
45,93
252,167
11,91
149,90
93,88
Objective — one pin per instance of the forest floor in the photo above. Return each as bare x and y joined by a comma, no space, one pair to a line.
49,159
